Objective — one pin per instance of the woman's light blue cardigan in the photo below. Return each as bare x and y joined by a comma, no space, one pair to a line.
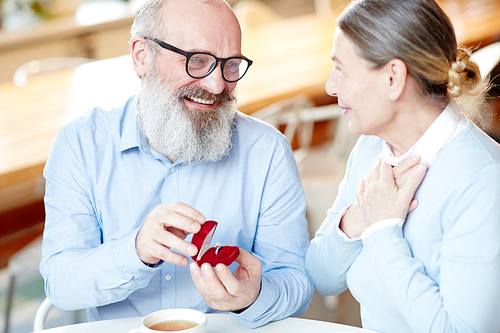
440,272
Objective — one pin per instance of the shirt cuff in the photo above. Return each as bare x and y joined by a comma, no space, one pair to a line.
380,225
253,315
368,231
126,258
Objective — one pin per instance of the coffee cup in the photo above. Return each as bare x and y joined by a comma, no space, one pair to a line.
173,320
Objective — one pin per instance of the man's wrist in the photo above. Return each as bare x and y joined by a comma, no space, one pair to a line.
243,309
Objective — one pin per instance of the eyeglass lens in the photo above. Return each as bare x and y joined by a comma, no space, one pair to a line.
201,64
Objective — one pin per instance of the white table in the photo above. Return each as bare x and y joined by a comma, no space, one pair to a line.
216,323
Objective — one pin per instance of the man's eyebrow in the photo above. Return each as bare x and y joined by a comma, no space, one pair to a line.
205,51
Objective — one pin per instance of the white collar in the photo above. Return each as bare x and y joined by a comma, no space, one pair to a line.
448,124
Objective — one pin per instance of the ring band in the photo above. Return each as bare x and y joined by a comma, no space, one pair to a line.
218,246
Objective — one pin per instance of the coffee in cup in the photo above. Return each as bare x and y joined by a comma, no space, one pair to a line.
173,320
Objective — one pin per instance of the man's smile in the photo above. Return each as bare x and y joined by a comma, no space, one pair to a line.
200,100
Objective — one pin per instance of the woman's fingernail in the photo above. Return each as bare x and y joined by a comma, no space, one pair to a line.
422,168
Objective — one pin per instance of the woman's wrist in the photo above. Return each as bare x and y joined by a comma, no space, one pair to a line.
352,223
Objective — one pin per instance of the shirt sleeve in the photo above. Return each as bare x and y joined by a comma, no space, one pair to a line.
381,224
79,270
281,242
466,298
331,252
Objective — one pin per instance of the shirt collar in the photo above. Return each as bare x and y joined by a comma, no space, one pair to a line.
130,136
448,124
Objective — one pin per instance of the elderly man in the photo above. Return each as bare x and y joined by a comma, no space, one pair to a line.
126,189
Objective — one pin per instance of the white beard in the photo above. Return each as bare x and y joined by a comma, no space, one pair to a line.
173,131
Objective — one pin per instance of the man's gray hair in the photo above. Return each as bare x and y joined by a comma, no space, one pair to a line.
148,18
147,22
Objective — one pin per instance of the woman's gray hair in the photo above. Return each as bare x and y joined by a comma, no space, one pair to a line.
420,34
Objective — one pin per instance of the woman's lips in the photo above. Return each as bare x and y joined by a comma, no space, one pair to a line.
346,109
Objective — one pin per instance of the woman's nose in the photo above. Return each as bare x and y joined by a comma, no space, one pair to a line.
332,84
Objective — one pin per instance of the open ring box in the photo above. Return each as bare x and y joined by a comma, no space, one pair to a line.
213,255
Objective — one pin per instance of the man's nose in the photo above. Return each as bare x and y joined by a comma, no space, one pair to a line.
214,83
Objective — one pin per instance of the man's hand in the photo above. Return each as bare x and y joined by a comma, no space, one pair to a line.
227,292
165,228
353,222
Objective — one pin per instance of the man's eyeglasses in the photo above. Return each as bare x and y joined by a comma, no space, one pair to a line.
201,64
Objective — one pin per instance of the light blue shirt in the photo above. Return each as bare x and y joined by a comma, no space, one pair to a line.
103,179
440,270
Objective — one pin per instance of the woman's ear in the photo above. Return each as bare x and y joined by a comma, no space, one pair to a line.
396,75
138,51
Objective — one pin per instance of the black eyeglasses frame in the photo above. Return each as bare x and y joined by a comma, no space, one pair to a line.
188,56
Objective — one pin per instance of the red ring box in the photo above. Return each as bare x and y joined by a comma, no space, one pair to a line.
226,255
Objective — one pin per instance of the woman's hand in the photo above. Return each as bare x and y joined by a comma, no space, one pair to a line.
381,196
358,217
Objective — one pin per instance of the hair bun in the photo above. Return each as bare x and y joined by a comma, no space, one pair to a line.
463,75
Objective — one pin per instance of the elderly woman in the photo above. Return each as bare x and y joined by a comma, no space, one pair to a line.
418,243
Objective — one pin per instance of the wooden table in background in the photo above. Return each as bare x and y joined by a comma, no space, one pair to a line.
290,57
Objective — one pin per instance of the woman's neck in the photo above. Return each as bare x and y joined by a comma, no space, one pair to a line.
411,123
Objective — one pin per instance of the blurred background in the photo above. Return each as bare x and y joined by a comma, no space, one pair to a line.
75,32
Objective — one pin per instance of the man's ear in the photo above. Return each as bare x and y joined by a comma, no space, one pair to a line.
139,52
395,78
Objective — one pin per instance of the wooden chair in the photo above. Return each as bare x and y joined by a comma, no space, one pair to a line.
285,113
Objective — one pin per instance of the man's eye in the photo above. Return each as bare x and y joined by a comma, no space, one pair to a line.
200,61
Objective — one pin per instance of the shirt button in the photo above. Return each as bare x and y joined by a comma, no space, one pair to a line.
172,170
168,277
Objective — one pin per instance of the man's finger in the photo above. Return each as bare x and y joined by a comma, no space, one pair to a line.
198,279
187,211
227,278
214,285
170,240
180,216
